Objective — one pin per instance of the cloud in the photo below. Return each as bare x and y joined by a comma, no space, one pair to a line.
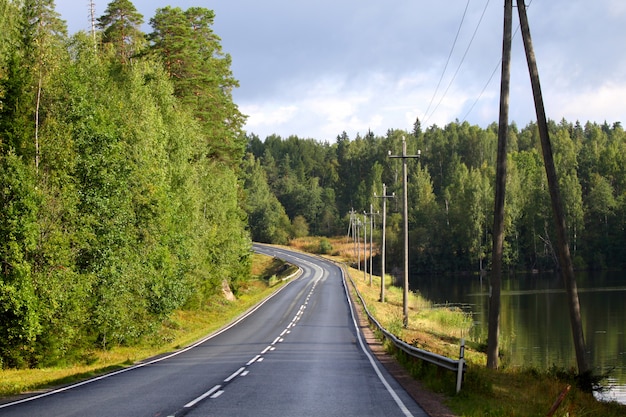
268,114
318,68
605,103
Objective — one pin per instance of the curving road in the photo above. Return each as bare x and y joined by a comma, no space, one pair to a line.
297,354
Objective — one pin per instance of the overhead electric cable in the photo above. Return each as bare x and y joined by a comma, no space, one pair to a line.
448,60
460,63
483,90
492,74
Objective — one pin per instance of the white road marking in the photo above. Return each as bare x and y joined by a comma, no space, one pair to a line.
217,394
251,361
382,379
234,375
203,396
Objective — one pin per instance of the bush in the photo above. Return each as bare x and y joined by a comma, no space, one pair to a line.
325,246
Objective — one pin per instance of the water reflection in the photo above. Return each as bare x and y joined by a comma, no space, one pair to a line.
534,322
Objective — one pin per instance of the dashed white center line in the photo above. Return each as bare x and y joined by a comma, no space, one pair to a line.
217,394
251,361
203,396
217,390
234,375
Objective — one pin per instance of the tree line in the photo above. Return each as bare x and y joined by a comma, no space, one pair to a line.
303,185
119,177
130,190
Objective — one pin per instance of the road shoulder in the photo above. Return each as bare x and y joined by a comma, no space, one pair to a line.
432,403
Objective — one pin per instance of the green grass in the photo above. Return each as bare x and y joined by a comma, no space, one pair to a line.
506,392
181,329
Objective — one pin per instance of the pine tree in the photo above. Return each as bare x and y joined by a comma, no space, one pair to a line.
192,55
121,24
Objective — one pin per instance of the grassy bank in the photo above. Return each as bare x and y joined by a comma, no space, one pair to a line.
438,329
181,329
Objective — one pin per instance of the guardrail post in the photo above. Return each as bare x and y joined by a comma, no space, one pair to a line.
459,372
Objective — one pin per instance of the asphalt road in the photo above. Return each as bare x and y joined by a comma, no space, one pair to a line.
297,354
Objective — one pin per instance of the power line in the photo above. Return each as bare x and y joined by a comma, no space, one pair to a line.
448,60
483,90
492,74
460,63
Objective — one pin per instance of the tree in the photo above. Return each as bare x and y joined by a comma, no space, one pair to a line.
192,55
267,219
19,324
121,24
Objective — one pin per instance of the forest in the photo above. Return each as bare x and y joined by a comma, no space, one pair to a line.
129,188
298,186
119,162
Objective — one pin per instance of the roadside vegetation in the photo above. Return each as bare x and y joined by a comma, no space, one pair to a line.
439,329
181,329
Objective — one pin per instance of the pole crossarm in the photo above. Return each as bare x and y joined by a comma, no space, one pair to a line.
404,157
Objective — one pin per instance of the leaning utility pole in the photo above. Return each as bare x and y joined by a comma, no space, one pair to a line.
565,259
405,203
493,334
382,256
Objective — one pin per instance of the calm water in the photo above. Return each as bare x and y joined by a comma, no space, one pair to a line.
534,324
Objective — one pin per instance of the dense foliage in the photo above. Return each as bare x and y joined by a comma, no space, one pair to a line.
120,197
451,192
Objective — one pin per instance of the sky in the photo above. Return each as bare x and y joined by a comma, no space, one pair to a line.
317,68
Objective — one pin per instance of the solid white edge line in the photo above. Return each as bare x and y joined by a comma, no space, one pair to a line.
202,397
141,365
393,394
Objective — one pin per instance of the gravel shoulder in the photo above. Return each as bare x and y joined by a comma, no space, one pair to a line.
431,402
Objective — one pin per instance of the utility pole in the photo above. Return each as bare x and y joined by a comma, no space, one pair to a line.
358,244
352,229
371,257
405,297
371,242
92,18
565,259
364,246
382,256
493,332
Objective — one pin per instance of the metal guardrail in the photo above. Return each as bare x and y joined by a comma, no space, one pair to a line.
459,366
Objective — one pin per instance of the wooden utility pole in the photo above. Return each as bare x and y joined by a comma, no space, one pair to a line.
371,215
92,18
364,246
405,203
493,334
565,259
382,256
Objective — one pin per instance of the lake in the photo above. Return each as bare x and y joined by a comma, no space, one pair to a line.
534,321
